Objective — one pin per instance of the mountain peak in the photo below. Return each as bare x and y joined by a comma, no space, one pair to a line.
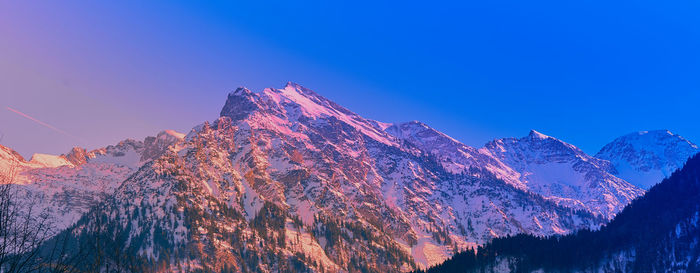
537,135
171,133
239,104
298,93
644,158
241,90
538,139
562,172
9,158
242,102
416,122
655,132
78,156
661,133
49,161
295,103
291,84
650,138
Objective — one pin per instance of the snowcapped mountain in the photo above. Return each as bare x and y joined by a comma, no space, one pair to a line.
66,186
564,174
658,232
291,176
287,180
537,163
645,158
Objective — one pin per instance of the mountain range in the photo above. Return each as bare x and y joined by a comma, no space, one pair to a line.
655,233
287,180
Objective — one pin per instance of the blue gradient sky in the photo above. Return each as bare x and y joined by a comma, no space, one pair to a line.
582,71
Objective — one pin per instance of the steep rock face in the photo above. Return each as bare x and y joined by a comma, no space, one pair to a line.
563,173
9,158
77,156
339,183
645,158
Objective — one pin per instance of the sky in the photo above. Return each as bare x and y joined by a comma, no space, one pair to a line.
91,73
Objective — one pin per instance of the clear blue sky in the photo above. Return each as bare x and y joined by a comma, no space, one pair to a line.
582,71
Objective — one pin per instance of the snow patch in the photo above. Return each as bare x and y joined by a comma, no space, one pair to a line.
48,161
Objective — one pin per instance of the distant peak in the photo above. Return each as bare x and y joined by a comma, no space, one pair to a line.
312,103
537,135
291,84
292,87
415,122
655,132
648,137
173,133
11,154
78,156
49,161
652,135
241,91
291,91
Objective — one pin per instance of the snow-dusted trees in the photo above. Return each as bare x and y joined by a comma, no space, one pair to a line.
22,228
27,241
21,231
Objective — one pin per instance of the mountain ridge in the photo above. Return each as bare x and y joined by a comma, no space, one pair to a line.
65,186
564,173
646,157
316,171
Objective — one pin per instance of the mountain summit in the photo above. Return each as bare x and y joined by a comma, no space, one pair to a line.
645,158
563,173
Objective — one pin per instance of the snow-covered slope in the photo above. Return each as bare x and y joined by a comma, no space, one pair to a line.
48,161
9,158
66,186
658,232
563,173
647,157
454,156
